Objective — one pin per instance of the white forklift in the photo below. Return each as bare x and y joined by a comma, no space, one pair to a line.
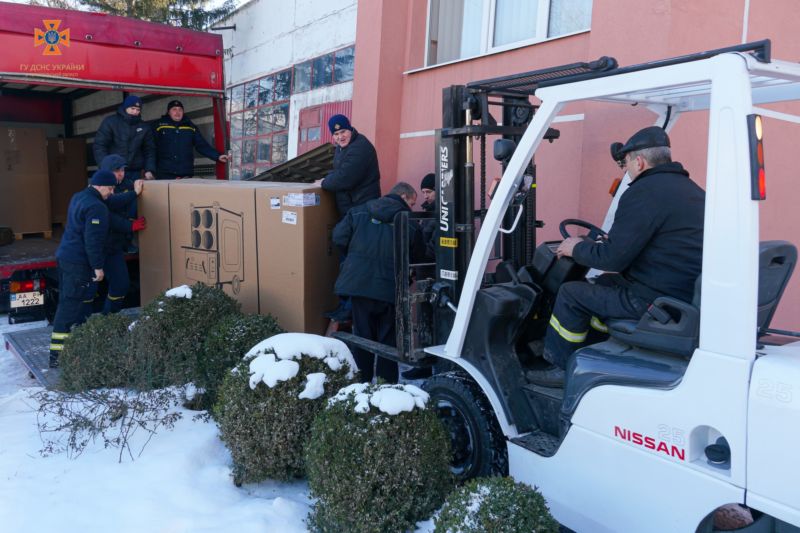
684,411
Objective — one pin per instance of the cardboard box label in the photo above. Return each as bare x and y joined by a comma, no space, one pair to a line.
289,217
274,202
301,199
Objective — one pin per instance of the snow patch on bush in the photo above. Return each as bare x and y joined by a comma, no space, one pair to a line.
390,399
184,291
271,371
288,346
314,386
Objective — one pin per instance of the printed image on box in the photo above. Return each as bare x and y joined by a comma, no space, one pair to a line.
216,253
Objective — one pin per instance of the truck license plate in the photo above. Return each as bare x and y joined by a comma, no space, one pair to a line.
26,299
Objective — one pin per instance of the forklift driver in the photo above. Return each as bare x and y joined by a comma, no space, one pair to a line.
654,248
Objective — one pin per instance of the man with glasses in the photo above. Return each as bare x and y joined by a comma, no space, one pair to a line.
654,248
125,134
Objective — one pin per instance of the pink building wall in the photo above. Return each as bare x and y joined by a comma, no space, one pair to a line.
396,103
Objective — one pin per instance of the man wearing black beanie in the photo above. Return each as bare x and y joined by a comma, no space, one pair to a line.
176,139
125,134
81,257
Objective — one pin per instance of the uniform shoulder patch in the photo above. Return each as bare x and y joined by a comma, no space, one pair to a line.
95,221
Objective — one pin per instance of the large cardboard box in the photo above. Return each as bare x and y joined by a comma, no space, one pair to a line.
297,263
213,237
155,267
24,184
66,165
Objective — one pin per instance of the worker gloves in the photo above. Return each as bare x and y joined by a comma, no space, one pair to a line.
139,224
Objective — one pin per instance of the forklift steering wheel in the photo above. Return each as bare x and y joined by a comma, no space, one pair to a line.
594,231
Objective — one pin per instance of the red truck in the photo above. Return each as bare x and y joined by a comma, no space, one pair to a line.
63,71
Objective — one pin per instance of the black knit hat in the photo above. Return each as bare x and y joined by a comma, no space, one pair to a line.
174,103
428,182
103,178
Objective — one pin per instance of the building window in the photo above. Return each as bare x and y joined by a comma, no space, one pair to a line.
328,69
459,29
259,119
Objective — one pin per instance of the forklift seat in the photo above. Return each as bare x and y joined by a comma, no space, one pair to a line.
673,326
654,354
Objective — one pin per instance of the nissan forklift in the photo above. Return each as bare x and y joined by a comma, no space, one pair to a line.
689,408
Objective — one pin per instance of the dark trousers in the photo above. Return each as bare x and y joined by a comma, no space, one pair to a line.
374,320
116,271
580,311
76,294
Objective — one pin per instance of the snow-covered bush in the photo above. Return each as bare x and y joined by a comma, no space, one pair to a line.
225,346
168,336
378,460
96,355
268,401
495,504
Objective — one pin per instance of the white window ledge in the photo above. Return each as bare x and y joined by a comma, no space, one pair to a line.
496,50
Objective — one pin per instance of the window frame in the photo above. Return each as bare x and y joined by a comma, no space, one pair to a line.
257,165
487,37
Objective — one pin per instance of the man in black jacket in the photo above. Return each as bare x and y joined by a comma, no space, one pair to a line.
355,179
367,275
655,247
81,258
176,139
124,134
428,190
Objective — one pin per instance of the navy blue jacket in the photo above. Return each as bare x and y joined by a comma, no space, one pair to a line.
174,146
367,233
656,241
121,211
129,137
355,177
84,240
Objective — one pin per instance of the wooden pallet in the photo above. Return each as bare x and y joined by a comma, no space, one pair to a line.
27,235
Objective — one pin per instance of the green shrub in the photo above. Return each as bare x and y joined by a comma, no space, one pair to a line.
168,336
96,355
264,419
378,468
225,346
495,504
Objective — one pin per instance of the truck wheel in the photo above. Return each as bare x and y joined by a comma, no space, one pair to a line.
478,444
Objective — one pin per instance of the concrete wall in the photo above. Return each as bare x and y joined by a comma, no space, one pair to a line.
272,35
398,104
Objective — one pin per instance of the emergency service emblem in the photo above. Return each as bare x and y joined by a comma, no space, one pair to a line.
51,37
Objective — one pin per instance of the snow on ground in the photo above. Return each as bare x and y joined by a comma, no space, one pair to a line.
180,484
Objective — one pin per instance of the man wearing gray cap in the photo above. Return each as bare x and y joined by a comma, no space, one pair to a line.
654,248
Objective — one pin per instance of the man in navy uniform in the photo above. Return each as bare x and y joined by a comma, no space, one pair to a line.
123,223
81,257
176,139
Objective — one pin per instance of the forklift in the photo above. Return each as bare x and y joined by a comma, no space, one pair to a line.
686,410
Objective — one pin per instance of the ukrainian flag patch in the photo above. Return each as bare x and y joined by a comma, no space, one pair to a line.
95,221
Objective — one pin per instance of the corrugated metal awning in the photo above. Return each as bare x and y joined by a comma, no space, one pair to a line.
305,168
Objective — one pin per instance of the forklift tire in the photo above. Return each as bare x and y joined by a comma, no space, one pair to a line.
478,445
